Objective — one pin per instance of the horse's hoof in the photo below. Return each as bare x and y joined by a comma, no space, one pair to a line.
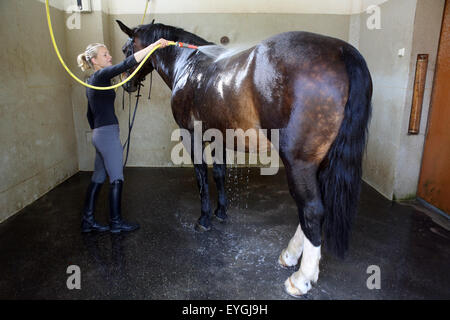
282,261
199,228
221,219
220,215
293,291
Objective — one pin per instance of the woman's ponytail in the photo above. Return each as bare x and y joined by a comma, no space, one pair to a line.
82,62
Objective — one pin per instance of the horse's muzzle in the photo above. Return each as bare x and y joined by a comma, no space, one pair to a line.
131,86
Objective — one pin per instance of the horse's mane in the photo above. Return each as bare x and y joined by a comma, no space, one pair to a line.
149,33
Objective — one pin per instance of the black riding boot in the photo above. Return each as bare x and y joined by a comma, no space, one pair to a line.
88,223
115,196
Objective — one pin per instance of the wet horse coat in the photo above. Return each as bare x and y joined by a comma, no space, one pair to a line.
315,89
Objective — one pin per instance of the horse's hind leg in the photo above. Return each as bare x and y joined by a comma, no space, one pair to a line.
306,193
289,256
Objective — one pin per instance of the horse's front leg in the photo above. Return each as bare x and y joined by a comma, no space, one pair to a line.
201,173
219,173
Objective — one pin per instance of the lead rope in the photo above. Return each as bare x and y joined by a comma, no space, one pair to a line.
123,98
151,82
131,123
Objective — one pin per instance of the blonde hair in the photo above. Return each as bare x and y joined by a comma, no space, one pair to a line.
84,59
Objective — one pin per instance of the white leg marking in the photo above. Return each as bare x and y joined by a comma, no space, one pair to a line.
300,282
289,256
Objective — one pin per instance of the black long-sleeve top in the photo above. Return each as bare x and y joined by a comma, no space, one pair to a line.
101,102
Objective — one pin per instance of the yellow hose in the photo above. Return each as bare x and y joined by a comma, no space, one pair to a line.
75,77
145,12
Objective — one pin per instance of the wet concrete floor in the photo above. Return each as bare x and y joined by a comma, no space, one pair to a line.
168,259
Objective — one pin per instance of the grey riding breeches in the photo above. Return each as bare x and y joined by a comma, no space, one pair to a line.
109,154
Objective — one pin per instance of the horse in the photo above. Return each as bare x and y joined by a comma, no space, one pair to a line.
315,89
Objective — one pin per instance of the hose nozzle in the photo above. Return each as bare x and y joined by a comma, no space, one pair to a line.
183,45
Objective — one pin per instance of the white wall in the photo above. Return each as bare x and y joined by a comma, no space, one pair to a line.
393,158
427,26
345,7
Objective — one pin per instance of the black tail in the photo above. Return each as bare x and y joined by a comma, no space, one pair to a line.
340,172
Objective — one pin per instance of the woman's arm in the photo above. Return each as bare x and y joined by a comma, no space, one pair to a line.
108,73
140,55
131,61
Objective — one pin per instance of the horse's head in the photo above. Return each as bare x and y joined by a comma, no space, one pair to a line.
166,61
135,43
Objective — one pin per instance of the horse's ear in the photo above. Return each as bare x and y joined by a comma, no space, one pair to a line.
153,21
125,29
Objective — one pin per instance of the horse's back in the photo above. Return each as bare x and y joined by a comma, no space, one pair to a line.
298,69
260,87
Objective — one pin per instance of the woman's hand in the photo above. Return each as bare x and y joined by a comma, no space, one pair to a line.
162,42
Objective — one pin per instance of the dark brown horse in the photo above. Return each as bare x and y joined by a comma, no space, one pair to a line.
315,89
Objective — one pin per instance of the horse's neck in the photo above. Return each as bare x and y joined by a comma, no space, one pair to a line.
164,67
170,65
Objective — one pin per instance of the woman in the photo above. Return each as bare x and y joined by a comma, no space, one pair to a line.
105,136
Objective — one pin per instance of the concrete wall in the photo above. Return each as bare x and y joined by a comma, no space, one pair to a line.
427,26
37,136
392,161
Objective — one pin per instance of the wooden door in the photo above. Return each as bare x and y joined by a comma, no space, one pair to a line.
434,181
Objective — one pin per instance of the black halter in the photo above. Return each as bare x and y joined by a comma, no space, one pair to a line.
130,121
131,44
